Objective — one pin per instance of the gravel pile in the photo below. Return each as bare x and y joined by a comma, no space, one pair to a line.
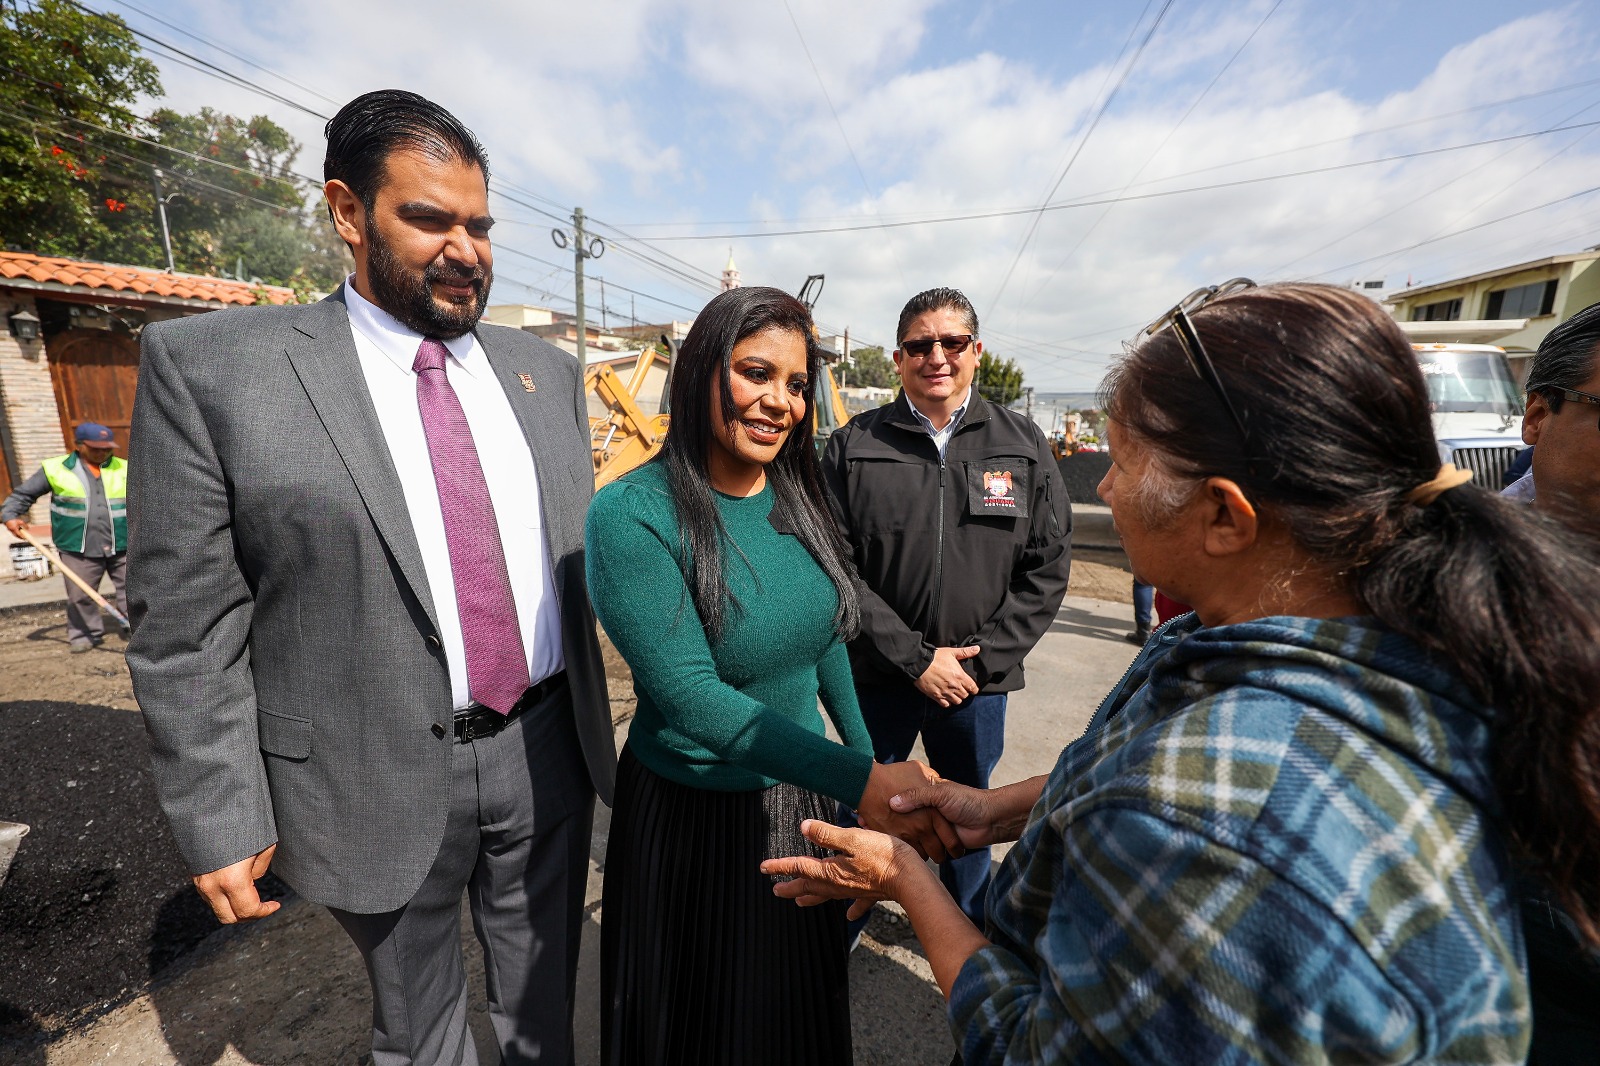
98,901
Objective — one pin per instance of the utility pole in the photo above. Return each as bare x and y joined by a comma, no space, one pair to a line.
584,246
604,324
1028,392
161,209
844,359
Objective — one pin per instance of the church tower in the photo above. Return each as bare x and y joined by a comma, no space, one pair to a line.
730,274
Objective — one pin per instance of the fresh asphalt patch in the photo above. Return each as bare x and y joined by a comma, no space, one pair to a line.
98,901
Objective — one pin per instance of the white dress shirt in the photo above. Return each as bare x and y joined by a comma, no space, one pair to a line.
941,437
387,349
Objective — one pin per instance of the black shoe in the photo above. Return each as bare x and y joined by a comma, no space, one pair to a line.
1138,636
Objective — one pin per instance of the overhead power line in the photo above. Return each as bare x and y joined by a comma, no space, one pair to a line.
207,67
231,55
1155,195
1105,106
1456,233
1193,104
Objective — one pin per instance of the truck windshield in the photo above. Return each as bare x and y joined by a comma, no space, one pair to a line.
1462,382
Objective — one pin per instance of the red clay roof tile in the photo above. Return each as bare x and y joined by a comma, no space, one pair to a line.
91,276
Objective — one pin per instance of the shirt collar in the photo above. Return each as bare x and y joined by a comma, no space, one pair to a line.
955,417
398,342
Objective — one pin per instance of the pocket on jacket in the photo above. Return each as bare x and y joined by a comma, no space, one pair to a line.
999,486
286,735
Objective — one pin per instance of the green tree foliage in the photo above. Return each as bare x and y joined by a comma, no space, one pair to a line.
870,368
64,72
999,381
76,163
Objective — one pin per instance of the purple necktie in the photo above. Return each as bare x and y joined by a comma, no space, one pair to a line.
497,665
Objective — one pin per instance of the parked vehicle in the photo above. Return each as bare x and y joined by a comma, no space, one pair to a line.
1477,407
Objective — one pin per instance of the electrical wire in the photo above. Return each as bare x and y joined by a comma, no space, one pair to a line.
1105,106
211,68
1157,195
1195,103
232,55
872,196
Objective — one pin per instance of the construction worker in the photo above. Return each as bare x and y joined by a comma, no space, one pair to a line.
88,523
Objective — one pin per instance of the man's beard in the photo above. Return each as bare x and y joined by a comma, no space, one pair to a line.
408,295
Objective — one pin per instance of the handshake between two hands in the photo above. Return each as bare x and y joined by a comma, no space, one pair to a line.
907,800
916,815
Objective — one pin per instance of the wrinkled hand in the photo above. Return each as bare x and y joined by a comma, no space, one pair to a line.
866,868
231,891
924,830
970,811
16,526
944,681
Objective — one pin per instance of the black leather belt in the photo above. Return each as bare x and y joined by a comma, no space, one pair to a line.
477,721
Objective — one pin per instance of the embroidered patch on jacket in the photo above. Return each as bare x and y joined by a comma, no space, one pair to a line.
998,493
527,382
997,487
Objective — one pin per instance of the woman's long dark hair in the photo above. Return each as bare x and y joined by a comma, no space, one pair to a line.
800,503
1338,433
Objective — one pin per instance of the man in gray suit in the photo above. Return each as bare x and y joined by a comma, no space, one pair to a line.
363,645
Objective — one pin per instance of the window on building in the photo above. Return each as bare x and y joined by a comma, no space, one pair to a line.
1523,301
1440,311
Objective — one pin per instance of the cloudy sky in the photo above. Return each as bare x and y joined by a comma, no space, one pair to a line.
1168,141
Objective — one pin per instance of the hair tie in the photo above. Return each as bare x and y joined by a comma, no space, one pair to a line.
1446,479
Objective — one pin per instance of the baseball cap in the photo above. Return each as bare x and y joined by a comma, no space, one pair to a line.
93,433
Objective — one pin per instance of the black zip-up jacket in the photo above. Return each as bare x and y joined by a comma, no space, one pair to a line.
974,549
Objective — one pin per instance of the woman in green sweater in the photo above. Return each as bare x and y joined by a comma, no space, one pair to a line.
719,576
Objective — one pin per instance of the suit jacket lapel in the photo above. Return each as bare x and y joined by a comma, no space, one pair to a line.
536,408
325,360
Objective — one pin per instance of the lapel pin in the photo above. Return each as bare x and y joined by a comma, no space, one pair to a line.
527,382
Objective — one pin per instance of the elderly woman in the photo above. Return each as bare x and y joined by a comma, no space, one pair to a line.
1288,835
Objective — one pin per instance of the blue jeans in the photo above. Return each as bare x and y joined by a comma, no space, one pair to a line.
962,743
1144,604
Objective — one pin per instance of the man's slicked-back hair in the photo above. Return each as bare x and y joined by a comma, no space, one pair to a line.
367,129
1568,356
936,300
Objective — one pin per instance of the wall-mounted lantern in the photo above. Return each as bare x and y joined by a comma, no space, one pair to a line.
24,326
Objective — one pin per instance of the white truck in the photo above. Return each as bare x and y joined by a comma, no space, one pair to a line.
1477,408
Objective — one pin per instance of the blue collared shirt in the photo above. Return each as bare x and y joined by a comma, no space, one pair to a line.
941,437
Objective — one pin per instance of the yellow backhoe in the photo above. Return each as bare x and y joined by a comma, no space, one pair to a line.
625,436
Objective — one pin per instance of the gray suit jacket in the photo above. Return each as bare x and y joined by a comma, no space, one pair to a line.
285,649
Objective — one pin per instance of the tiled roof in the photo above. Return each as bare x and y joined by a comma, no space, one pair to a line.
93,277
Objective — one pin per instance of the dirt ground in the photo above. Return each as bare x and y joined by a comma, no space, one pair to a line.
35,664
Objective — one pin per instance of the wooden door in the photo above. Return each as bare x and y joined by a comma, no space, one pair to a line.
94,372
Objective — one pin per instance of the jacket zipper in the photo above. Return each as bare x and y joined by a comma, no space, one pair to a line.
938,557
1116,690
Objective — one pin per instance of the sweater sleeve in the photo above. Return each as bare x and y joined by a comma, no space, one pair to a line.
837,686
640,596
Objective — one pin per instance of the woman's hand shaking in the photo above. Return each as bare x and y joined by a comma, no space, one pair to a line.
926,830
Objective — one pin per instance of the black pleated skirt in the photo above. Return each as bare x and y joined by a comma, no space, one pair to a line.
700,963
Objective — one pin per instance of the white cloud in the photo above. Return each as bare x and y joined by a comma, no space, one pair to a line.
676,110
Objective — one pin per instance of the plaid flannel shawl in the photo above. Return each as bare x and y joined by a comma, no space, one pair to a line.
1279,846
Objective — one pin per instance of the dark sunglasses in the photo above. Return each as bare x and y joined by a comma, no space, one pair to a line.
952,346
1178,319
1567,394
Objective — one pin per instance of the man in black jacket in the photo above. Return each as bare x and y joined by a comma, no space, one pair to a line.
960,526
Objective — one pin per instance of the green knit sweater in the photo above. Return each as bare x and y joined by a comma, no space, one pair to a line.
741,714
